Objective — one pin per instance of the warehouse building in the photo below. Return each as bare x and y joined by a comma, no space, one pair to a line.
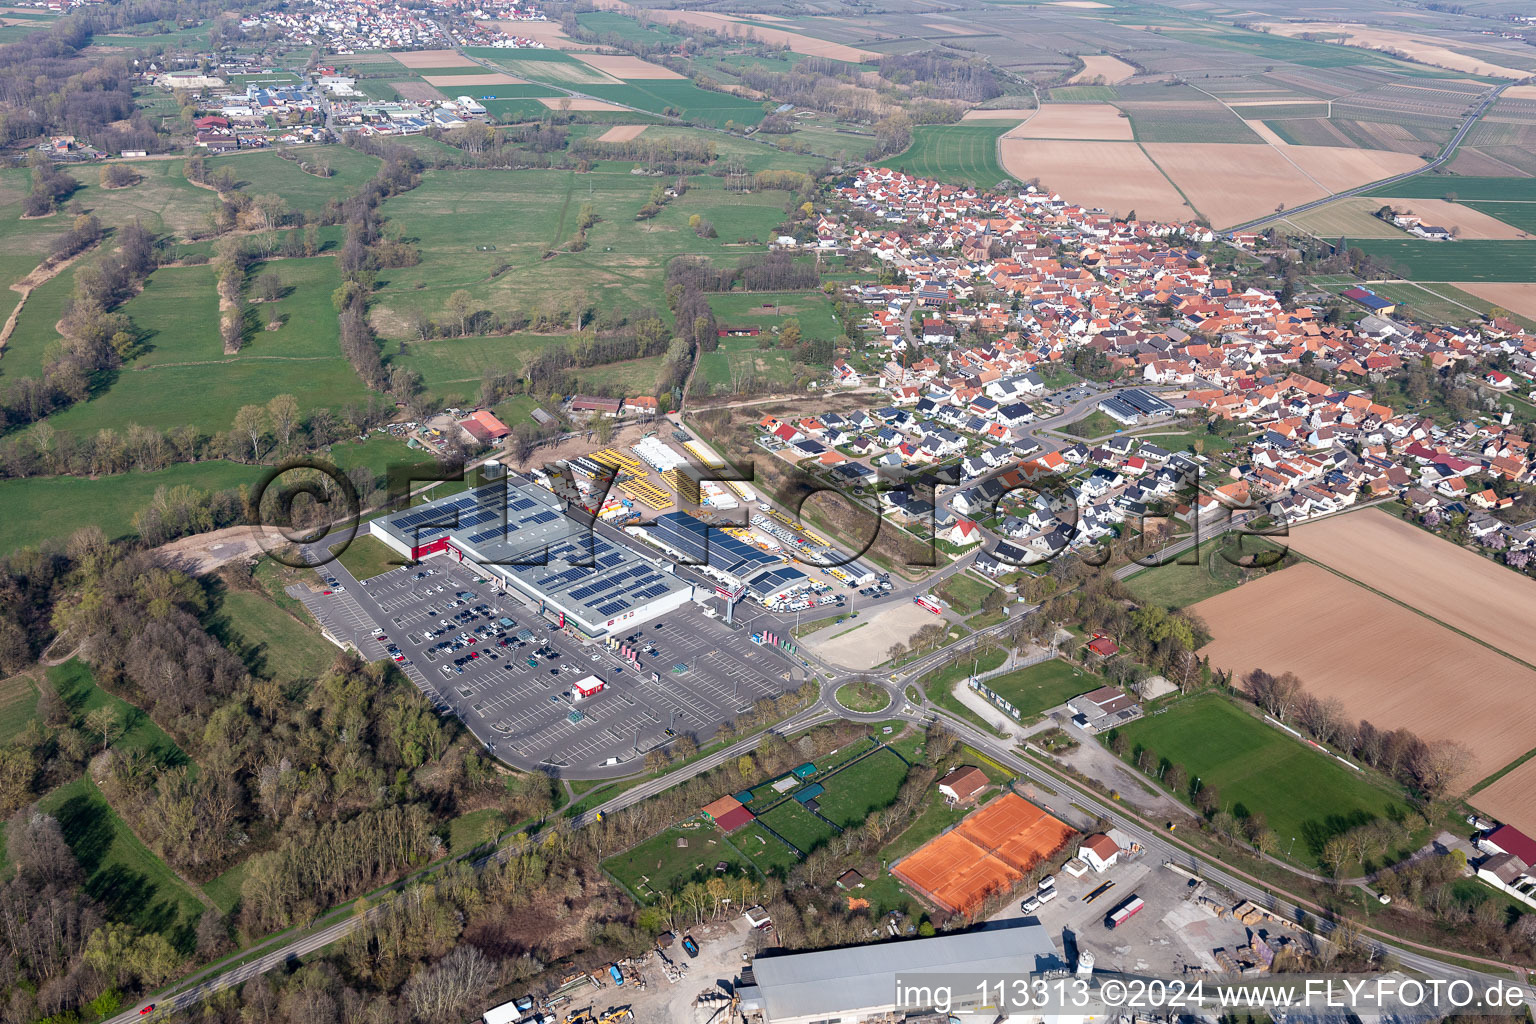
1134,405
517,534
859,983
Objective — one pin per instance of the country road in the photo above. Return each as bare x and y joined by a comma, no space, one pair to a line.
1445,154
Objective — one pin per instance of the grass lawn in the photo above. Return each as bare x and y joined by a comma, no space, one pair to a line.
455,366
132,884
866,785
767,854
934,818
1031,690
659,864
272,643
225,890
964,593
51,508
798,826
76,686
954,153
367,557
863,697
473,829
1095,424
1195,576
1261,770
1211,444
602,793
18,704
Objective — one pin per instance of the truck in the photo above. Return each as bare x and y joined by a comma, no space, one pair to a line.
1127,910
616,974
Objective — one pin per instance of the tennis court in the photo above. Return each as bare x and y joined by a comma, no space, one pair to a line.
989,851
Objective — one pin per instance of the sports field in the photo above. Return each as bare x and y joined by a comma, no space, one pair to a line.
989,851
1258,769
1383,660
954,152
1031,690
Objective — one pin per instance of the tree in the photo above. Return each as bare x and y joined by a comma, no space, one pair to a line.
102,720
251,425
284,413
789,333
270,286
460,307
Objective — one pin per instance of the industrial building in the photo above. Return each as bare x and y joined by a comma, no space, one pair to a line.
1133,405
517,534
717,554
858,983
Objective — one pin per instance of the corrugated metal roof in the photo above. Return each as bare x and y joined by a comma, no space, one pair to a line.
829,981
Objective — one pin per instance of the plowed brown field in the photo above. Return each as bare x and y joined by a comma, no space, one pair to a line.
1386,663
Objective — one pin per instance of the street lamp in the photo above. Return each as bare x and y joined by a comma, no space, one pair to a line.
1288,849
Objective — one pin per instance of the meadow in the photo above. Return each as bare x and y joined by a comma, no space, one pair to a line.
186,378
1194,576
799,827
52,507
1258,769
18,705
264,171
610,22
455,366
272,643
954,153
76,686
680,98
476,221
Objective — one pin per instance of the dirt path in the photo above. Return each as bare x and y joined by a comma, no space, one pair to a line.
41,274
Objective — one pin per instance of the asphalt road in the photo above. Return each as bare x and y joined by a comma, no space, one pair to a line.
1444,155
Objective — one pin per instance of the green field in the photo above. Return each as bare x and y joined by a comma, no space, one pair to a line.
225,889
1206,574
954,153
272,643
1095,424
863,787
18,705
1082,94
76,686
799,827
1032,690
53,507
367,557
460,220
473,829
610,23
186,378
964,593
1281,111
122,874
1464,188
767,854
680,98
1471,259
660,865
1188,122
1521,214
863,697
1261,770
264,171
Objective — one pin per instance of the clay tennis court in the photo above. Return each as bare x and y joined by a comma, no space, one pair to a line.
1116,176
1384,662
989,851
1463,590
1512,799
430,59
621,65
1076,121
622,133
496,78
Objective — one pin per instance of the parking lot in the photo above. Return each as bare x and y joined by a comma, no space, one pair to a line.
1173,933
508,672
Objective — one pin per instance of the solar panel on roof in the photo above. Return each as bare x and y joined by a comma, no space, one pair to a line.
545,516
522,504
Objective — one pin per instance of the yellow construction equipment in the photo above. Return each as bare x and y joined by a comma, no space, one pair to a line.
583,1016
615,1016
